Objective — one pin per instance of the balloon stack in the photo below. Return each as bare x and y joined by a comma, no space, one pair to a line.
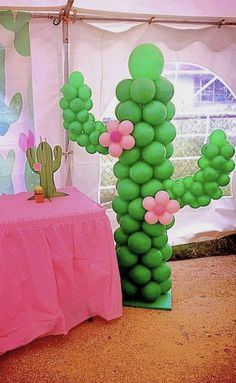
147,195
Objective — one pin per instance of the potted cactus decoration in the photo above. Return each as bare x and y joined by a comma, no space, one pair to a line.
147,197
41,161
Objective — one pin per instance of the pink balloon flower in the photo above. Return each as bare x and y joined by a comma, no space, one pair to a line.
161,208
118,137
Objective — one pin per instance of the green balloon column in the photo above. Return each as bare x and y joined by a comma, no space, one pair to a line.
148,196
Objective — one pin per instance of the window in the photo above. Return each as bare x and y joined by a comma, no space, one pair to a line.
203,103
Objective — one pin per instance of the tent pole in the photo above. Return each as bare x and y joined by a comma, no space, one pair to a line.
65,31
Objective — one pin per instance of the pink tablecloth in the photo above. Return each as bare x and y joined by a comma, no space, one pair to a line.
57,267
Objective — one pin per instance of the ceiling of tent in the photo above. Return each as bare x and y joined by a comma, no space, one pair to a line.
172,8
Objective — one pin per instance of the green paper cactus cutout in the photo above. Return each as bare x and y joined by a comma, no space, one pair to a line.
45,162
8,114
6,167
20,28
142,140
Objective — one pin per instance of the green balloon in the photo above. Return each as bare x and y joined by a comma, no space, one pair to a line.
210,174
154,230
187,198
142,90
102,150
76,105
120,206
69,92
219,163
151,188
141,173
168,184
165,132
94,137
154,153
128,190
123,90
188,180
68,115
198,176
169,150
203,163
83,116
129,157
128,288
204,200
218,138
139,242
227,151
143,134
164,171
196,189
160,241
166,252
170,109
64,104
165,286
121,171
83,140
125,257
92,118
120,237
152,258
146,60
88,104
140,274
84,92
129,110
116,110
178,189
218,194
161,273
128,224
164,90
151,291
75,127
91,149
210,187
136,209
88,127
66,124
230,165
209,151
223,180
154,113
72,136
76,79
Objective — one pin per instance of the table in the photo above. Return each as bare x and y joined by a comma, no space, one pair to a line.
57,266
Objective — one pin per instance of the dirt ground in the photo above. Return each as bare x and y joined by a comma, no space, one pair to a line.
193,343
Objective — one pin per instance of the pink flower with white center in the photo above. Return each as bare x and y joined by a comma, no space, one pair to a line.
160,208
118,137
37,166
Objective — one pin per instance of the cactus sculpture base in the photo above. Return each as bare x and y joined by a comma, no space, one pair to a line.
164,302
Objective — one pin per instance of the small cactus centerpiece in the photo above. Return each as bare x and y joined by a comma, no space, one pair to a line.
148,197
45,163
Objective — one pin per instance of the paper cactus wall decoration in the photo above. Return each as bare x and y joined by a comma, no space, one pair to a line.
147,195
41,161
6,167
11,113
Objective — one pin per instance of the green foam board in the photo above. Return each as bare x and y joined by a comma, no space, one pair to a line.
162,303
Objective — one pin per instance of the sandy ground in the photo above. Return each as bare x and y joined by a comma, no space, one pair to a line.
193,343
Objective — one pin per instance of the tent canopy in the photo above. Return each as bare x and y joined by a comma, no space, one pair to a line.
172,8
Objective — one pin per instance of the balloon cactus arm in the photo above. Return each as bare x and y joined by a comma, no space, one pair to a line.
57,151
32,159
215,165
77,120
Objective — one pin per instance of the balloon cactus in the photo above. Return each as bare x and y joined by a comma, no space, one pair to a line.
148,196
42,163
